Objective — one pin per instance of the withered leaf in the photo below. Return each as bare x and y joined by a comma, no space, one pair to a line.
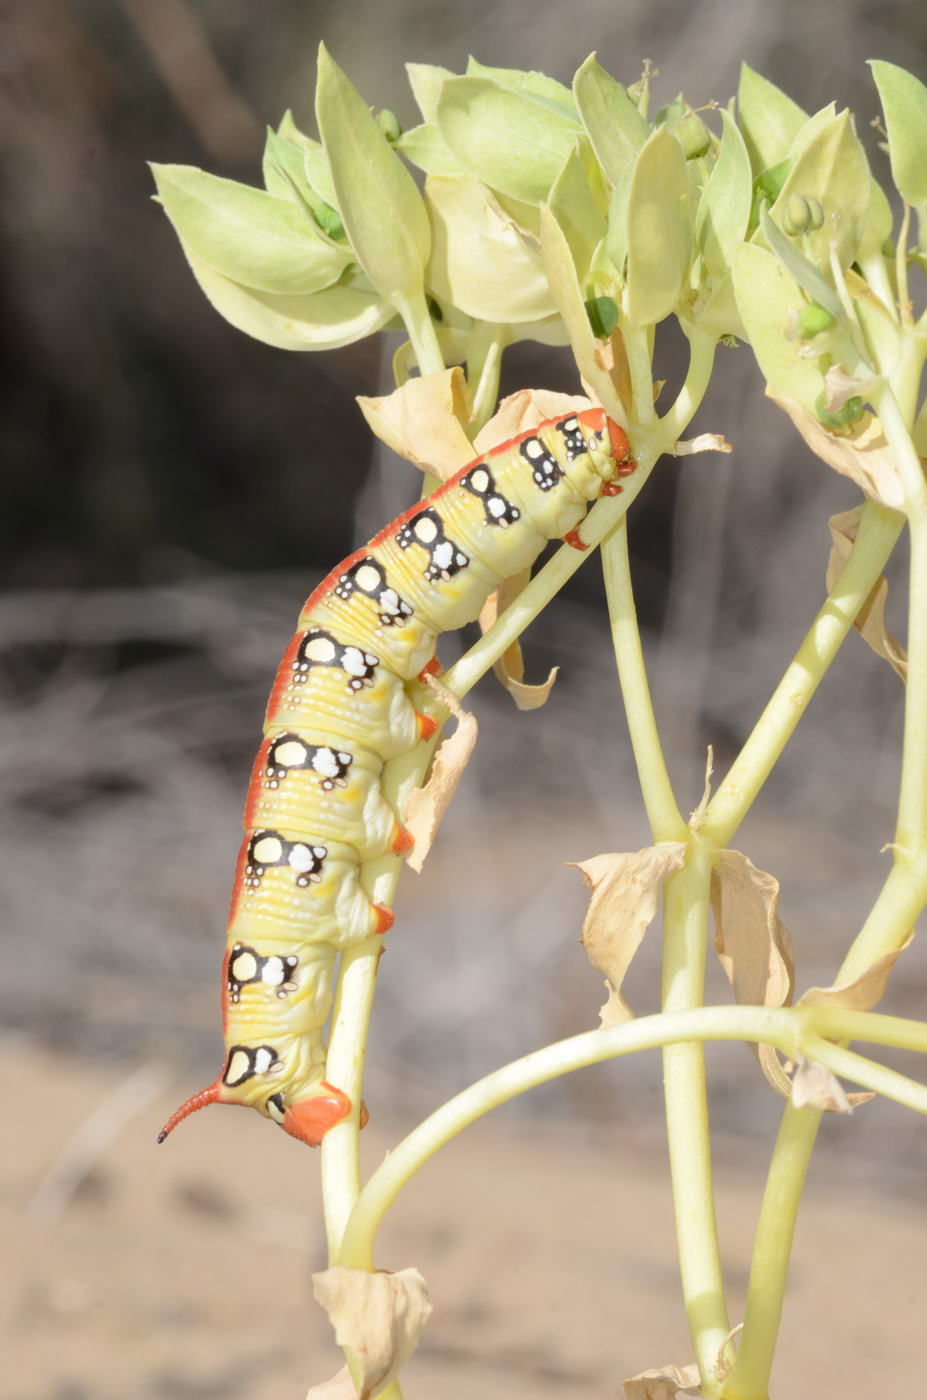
523,410
625,894
753,945
664,1383
863,992
340,1387
379,1317
870,621
424,419
510,667
814,1086
861,452
427,804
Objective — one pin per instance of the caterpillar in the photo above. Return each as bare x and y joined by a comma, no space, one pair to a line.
339,708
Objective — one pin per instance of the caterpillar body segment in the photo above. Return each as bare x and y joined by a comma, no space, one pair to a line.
339,708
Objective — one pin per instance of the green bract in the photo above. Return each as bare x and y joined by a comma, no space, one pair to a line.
724,207
514,142
537,85
770,121
252,237
904,102
659,230
481,259
377,197
832,169
614,125
769,301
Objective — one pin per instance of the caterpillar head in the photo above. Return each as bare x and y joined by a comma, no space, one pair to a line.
307,1118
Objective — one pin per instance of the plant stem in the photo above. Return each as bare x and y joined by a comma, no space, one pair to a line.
484,364
421,330
791,1030
685,941
666,822
878,531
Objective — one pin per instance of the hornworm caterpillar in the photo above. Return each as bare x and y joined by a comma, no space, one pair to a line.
338,710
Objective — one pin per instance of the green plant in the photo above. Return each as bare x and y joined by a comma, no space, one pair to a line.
571,216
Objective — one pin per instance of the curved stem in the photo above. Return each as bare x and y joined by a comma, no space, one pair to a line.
879,529
666,822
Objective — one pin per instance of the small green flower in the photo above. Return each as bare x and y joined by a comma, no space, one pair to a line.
802,214
813,320
842,417
388,123
693,136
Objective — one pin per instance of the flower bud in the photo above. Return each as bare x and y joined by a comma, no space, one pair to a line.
812,320
693,136
802,214
842,417
389,124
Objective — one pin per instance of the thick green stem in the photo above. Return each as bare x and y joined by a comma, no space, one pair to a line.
666,822
685,941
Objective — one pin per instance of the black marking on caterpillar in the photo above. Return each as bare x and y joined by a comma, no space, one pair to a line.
481,482
320,648
546,471
270,848
247,967
367,576
245,1061
427,529
289,751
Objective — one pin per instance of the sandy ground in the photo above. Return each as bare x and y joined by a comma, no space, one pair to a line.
184,1271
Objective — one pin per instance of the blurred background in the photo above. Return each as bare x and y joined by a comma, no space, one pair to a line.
171,495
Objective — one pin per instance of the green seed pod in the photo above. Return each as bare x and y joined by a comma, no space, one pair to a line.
802,214
389,125
812,320
841,417
603,316
693,136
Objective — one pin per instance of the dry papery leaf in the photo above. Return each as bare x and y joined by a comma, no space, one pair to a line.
753,945
510,667
378,1316
424,421
340,1387
612,356
863,992
625,893
664,1383
870,621
861,453
427,804
814,1086
523,410
705,442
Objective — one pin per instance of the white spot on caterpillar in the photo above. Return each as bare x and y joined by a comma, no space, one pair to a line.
326,763
426,530
479,479
300,857
263,1059
268,850
291,754
321,649
274,972
534,449
243,967
367,578
443,554
389,601
239,1067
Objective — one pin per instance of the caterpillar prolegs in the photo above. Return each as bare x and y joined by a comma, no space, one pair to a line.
338,710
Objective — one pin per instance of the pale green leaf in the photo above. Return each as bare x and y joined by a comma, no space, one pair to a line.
564,284
670,115
809,130
769,120
659,230
616,240
507,139
576,211
426,81
426,148
379,201
769,302
832,168
798,266
904,102
245,234
614,125
338,316
537,85
724,207
283,169
482,260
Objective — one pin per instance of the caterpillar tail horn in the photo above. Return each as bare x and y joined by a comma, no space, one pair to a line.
201,1099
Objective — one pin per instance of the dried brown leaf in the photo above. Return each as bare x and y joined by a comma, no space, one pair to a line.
424,421
870,621
753,945
510,667
705,442
814,1086
524,410
625,893
379,1317
863,992
426,805
664,1383
861,452
340,1387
